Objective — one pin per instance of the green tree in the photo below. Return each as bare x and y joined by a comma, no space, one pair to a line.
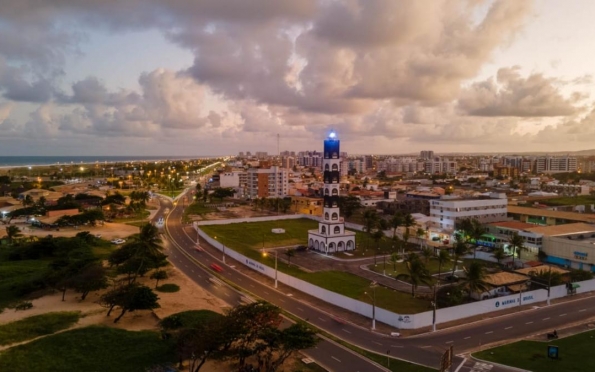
158,275
417,273
420,233
427,253
394,258
91,277
474,281
377,237
408,222
349,205
547,277
499,254
135,297
442,257
473,231
370,221
221,192
395,222
13,232
28,201
517,245
459,249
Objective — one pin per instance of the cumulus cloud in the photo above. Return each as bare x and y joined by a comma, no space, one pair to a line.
380,69
512,95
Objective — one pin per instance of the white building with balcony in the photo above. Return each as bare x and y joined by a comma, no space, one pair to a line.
445,213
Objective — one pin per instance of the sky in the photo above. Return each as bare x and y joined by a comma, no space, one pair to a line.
216,77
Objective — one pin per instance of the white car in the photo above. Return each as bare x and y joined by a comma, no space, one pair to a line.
118,241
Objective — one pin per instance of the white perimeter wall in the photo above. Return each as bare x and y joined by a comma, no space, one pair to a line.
403,321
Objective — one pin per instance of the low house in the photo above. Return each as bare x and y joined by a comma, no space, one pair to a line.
503,284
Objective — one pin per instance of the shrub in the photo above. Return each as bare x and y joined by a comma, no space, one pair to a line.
169,288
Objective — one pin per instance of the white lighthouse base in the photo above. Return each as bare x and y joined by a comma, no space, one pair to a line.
331,244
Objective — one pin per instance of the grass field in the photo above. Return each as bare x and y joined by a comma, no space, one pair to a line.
574,354
569,200
35,326
18,278
89,349
247,239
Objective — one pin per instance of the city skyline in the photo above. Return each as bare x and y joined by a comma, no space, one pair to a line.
209,77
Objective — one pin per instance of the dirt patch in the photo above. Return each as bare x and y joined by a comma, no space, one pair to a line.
108,231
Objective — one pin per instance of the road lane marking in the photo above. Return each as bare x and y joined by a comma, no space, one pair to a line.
345,330
321,319
396,345
281,300
466,338
192,270
252,285
488,332
300,309
377,343
425,347
448,342
529,323
562,314
338,360
266,293
580,311
546,318
508,327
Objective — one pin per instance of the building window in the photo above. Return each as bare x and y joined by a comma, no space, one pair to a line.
326,216
335,216
337,230
323,230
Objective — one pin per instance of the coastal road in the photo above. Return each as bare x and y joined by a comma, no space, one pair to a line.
424,349
193,264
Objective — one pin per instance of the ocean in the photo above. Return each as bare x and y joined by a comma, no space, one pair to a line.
30,161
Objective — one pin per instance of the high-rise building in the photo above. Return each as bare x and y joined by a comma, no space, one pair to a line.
331,235
427,155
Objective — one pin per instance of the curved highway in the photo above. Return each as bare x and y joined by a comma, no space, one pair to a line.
423,349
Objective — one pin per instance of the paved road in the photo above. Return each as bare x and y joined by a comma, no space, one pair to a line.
424,349
328,354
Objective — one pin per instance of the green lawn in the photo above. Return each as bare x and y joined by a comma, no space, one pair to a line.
246,238
37,325
569,200
89,349
18,278
574,354
400,267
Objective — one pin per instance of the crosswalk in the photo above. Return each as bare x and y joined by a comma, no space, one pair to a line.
481,367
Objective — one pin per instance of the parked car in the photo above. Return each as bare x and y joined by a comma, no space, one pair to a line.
118,241
452,278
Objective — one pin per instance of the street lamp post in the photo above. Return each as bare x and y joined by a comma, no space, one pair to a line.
373,298
266,254
434,310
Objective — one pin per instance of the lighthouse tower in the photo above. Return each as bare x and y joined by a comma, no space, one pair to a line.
331,236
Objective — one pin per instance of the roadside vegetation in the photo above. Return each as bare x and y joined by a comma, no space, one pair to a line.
574,354
35,326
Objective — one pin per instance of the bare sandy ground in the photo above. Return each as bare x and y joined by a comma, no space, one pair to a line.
108,231
189,297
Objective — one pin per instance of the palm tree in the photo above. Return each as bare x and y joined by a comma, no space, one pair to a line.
417,273
395,222
474,280
499,254
13,232
377,236
427,253
394,258
459,249
370,221
27,201
420,233
516,243
473,230
408,221
442,257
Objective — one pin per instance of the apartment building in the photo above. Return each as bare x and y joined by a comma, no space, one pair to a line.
309,159
440,165
426,155
446,212
553,164
267,182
